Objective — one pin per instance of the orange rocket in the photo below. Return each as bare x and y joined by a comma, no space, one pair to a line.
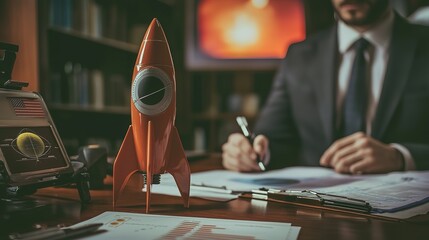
152,144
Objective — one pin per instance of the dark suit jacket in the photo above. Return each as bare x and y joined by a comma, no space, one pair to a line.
299,116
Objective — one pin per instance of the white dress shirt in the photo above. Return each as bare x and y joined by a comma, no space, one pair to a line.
377,56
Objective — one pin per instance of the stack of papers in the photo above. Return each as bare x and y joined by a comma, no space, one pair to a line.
398,195
121,225
391,193
223,185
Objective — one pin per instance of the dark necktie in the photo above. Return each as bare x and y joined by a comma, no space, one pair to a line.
356,99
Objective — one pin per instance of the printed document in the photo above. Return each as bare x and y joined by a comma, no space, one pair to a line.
398,195
224,185
122,225
388,193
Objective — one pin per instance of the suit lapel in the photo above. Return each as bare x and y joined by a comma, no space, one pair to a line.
323,77
400,61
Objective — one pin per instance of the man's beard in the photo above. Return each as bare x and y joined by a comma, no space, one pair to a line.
375,11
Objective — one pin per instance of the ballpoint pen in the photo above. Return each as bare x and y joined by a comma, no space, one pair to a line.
56,233
242,122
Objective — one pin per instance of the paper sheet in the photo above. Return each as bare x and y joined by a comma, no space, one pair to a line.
121,225
169,187
388,193
407,213
383,191
293,177
216,180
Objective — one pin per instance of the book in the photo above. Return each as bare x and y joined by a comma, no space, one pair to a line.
97,88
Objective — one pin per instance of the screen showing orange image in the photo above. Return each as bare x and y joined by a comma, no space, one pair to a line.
241,29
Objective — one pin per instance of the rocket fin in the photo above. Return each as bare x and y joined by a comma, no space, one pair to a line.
125,165
178,166
150,158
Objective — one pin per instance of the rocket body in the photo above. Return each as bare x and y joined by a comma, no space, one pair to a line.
152,144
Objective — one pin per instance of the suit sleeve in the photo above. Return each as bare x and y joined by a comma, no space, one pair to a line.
420,154
420,150
276,122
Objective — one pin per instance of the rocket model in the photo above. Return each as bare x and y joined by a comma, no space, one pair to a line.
152,144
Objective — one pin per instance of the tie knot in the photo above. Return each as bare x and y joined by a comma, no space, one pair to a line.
361,44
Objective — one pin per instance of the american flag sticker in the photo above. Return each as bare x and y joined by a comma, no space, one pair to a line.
27,107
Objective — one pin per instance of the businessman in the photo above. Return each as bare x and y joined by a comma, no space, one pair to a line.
353,98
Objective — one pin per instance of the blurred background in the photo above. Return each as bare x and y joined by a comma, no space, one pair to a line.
80,55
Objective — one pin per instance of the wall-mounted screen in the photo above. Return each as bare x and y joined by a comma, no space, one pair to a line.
242,34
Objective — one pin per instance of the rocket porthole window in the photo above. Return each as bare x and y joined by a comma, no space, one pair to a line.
152,91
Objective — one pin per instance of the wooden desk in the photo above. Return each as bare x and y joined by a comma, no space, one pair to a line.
316,224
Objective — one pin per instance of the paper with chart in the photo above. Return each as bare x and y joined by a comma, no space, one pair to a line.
121,225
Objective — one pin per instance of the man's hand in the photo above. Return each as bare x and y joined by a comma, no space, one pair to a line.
359,153
239,155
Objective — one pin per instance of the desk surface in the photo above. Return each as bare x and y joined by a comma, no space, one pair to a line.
64,208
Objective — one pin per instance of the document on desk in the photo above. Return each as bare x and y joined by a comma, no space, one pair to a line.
223,185
388,193
398,195
121,225
168,187
287,178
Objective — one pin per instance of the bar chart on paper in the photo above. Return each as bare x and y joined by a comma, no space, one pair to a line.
119,225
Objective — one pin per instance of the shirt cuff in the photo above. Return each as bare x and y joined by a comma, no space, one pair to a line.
408,159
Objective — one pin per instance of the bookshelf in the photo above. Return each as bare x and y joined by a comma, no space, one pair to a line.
88,51
89,45
218,97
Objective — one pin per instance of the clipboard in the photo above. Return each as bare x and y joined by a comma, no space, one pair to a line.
312,199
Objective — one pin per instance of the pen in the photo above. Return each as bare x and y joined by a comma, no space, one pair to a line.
242,122
55,233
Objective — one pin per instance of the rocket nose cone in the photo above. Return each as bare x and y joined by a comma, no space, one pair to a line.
154,50
155,31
